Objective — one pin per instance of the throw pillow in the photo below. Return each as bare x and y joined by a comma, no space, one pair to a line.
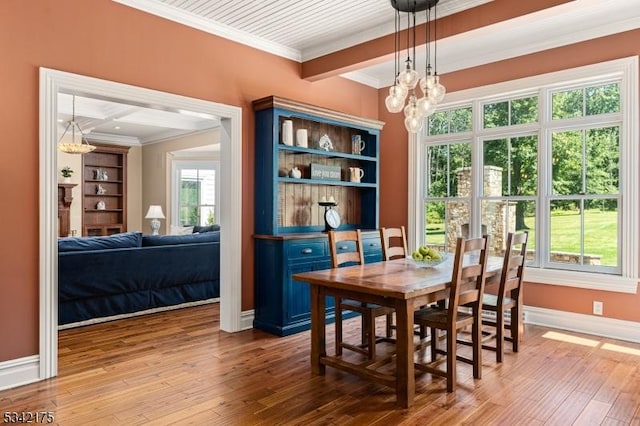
180,230
208,228
163,240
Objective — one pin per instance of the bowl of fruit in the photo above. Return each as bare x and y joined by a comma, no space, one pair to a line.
428,257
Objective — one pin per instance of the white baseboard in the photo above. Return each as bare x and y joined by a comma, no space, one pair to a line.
246,319
581,323
18,372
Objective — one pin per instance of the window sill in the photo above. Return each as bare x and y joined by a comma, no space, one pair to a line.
590,281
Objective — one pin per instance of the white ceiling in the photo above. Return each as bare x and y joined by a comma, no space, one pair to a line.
306,29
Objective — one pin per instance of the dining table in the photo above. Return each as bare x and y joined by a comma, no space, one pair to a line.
403,284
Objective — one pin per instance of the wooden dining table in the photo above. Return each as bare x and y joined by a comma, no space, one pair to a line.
402,284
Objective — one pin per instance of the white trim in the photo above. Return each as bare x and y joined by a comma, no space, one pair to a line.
581,323
247,319
587,280
52,82
20,371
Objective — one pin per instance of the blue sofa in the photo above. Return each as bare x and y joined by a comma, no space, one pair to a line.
124,273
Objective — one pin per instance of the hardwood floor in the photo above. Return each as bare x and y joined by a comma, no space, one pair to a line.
177,368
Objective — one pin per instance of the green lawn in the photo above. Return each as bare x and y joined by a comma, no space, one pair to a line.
600,234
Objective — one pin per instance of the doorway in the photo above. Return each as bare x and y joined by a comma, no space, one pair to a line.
52,83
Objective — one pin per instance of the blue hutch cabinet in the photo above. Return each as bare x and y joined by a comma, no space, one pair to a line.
289,221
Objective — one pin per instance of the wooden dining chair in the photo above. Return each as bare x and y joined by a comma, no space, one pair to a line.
508,297
466,288
394,246
339,244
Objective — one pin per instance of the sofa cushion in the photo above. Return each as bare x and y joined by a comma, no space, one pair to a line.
180,230
203,229
163,240
123,240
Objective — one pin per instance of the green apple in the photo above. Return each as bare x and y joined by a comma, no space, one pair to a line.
416,255
424,250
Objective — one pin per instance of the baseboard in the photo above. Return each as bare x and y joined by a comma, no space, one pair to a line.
135,314
18,372
581,323
246,319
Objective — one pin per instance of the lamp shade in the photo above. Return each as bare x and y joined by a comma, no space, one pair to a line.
154,212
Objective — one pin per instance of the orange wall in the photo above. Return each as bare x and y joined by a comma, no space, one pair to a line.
104,39
393,186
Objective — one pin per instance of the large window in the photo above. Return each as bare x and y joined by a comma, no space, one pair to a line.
553,155
196,192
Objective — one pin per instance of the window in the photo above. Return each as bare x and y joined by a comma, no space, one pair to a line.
549,154
196,190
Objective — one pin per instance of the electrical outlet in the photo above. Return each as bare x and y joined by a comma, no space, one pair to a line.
597,307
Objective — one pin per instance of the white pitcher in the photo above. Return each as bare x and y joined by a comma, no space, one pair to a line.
356,174
302,138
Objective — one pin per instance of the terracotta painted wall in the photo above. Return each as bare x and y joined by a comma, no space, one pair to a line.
393,188
103,39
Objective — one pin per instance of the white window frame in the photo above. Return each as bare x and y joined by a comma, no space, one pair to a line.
176,166
626,70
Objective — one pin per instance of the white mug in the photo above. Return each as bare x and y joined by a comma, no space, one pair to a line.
356,174
302,138
287,132
357,144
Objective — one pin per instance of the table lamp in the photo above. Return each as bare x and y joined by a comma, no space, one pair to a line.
155,214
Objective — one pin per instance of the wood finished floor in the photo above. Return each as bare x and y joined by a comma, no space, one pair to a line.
178,368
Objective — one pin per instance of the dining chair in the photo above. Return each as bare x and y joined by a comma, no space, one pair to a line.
340,243
466,288
394,246
508,297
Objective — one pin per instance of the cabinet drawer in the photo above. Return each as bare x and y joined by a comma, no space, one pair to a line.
306,249
371,245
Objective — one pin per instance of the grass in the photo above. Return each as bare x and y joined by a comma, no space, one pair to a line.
601,234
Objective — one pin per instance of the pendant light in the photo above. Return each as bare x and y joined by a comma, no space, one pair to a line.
405,82
74,147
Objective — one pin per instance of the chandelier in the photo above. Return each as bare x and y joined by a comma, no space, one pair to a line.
73,147
404,85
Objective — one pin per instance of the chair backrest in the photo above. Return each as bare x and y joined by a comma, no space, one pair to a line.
394,243
468,278
515,257
339,255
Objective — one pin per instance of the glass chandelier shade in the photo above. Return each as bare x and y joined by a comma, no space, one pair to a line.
75,146
405,82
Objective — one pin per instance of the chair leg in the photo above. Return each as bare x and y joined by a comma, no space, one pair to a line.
516,326
452,335
499,334
434,344
370,334
476,339
389,325
338,315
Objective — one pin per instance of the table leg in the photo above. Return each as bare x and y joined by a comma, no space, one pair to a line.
318,336
405,377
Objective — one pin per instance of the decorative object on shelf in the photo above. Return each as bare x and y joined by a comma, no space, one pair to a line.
100,190
100,205
325,143
287,132
302,138
355,174
80,146
296,173
331,215
357,144
155,214
282,172
416,110
66,174
325,172
100,174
